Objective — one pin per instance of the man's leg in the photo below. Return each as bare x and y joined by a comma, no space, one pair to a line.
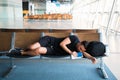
35,52
33,46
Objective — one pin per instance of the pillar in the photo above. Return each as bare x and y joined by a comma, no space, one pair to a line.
11,15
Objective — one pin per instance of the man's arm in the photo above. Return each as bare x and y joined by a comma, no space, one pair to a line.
64,44
93,59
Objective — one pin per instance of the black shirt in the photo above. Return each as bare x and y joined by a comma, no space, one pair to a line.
72,46
54,43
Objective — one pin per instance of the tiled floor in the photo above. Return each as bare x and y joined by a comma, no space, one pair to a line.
114,64
112,61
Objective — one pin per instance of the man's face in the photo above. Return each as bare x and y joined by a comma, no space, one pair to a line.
81,48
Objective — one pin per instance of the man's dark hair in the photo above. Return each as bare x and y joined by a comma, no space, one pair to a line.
85,44
96,48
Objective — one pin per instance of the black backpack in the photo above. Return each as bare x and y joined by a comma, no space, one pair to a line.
96,49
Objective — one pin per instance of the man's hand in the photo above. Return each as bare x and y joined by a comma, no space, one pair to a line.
74,53
94,60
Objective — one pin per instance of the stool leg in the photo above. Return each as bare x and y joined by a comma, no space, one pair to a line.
101,67
12,66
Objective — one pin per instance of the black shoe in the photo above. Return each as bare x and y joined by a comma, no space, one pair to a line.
14,53
19,49
1,54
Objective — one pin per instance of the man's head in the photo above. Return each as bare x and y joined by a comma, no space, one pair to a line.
96,48
82,46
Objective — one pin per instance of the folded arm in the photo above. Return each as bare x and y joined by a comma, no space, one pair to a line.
64,44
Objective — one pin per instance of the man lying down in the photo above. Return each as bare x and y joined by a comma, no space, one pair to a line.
62,46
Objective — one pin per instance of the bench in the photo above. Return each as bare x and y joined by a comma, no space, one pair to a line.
24,39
